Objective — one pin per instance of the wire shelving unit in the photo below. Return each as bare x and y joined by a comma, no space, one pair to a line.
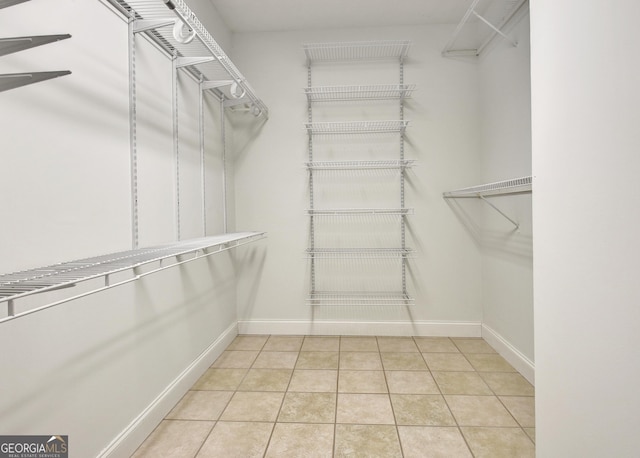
359,93
18,285
355,52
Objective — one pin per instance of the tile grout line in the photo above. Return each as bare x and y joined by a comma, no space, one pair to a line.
448,407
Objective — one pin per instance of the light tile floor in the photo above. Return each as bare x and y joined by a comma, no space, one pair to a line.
287,396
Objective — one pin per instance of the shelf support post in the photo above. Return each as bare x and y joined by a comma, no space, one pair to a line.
176,142
133,153
223,134
202,155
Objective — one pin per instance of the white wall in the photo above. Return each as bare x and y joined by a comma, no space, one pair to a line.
585,118
90,367
507,264
272,184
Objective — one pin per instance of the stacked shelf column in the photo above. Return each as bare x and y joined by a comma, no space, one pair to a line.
334,132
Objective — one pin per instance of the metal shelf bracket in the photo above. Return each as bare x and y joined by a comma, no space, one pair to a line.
16,44
15,80
144,25
190,61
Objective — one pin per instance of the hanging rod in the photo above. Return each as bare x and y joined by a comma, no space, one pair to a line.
18,285
500,188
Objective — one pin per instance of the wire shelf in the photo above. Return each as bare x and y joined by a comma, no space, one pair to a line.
359,253
339,298
361,211
355,93
356,127
359,165
28,282
357,50
215,67
514,186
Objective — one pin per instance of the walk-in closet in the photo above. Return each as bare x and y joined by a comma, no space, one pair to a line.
285,228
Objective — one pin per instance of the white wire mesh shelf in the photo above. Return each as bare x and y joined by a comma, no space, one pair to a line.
359,253
25,283
361,211
514,186
355,93
157,18
356,127
357,50
359,165
339,298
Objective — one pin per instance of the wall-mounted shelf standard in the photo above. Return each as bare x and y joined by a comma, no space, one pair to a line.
359,165
357,127
175,28
370,298
499,188
359,93
18,285
361,211
496,15
356,51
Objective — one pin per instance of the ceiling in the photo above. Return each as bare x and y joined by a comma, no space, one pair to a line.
282,15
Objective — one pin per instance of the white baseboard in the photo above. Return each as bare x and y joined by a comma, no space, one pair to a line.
126,443
522,364
359,328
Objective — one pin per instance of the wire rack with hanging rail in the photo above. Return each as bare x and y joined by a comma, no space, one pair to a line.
494,18
522,185
177,30
19,285
355,52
